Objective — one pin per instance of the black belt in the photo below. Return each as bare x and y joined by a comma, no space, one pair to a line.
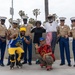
74,38
3,37
62,36
54,32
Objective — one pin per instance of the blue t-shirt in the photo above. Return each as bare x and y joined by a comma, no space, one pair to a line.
16,42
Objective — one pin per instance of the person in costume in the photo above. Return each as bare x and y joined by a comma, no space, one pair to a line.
14,47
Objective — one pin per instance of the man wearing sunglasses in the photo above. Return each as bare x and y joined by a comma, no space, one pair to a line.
73,35
11,31
3,34
63,33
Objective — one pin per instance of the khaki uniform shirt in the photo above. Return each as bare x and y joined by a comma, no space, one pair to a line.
63,30
73,32
12,31
28,29
3,30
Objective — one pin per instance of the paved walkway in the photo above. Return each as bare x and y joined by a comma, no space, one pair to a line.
36,70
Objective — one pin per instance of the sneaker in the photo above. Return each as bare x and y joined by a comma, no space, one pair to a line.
62,64
24,62
74,65
2,65
49,67
8,64
37,62
12,65
42,65
30,63
69,65
20,64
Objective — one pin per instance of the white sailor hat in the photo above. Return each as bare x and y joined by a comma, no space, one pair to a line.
2,18
25,17
62,18
72,18
15,21
50,15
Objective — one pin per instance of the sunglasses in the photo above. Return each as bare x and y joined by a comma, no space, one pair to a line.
15,23
40,41
62,20
72,20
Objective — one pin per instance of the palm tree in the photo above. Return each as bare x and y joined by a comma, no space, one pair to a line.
36,12
21,14
46,9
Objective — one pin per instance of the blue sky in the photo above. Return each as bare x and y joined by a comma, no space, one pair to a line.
60,7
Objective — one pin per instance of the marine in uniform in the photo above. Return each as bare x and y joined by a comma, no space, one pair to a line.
3,32
27,46
72,33
63,33
11,31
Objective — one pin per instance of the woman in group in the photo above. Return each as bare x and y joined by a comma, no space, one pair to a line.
38,31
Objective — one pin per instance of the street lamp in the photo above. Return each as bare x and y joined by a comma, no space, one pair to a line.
12,10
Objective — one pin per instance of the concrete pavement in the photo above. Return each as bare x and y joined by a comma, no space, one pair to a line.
36,70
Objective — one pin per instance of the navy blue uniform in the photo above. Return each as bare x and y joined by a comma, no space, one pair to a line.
64,47
64,44
2,47
29,46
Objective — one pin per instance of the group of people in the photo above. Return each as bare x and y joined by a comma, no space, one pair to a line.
16,37
44,47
